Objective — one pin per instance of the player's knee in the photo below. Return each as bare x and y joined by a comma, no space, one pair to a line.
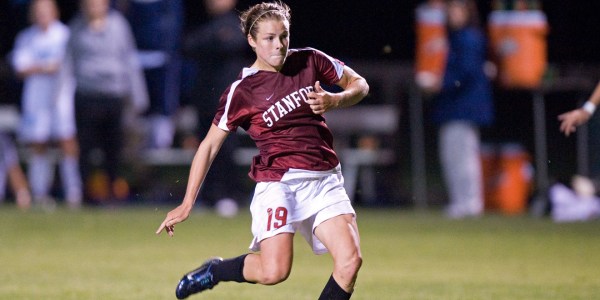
355,263
274,276
350,266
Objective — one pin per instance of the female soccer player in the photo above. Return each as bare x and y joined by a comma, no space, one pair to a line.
279,102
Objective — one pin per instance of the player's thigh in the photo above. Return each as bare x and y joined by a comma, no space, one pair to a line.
271,210
278,250
340,236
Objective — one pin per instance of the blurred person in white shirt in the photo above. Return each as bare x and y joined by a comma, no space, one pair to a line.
37,56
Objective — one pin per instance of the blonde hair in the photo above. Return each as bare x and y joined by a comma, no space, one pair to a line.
263,11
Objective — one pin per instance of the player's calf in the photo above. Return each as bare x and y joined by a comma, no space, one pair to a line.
333,291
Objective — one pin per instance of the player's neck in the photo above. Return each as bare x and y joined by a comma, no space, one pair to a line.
261,66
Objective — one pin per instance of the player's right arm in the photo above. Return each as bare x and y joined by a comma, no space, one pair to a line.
354,86
206,153
570,120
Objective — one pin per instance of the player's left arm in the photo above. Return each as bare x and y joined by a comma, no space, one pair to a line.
354,86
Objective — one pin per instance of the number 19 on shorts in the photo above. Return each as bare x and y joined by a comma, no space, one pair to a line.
276,219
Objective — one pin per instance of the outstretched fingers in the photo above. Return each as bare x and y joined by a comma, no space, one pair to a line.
177,215
168,225
570,121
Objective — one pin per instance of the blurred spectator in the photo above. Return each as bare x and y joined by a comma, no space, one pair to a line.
219,51
37,56
102,72
11,170
463,104
157,27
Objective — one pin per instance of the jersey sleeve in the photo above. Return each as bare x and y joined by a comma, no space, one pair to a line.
232,111
329,69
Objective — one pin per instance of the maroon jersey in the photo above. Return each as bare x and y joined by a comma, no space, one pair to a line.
271,107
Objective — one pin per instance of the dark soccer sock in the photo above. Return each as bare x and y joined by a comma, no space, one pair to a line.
333,291
230,270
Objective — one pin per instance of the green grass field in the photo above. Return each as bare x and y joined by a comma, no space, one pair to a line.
114,254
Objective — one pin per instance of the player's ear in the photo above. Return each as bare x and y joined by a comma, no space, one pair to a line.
251,41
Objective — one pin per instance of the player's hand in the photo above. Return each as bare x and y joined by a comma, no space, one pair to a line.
570,120
177,215
320,100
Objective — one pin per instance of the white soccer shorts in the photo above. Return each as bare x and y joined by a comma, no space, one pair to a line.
298,205
46,120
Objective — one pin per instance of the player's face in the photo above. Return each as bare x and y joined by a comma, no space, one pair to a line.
271,44
95,9
458,14
44,13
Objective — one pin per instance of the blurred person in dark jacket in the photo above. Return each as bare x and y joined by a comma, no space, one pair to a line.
462,105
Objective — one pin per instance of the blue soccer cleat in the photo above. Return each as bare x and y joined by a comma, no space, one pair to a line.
197,280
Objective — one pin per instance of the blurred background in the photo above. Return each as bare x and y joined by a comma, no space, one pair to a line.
361,29
390,154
